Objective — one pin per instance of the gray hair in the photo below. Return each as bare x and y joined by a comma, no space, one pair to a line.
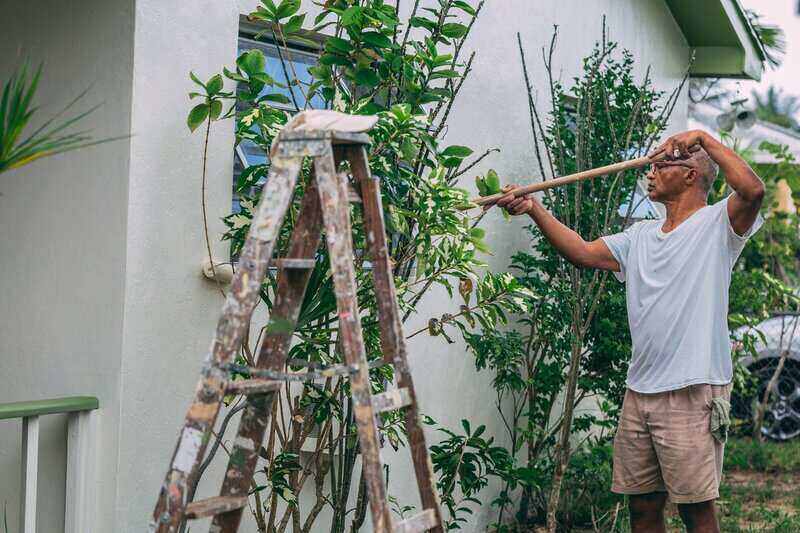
706,168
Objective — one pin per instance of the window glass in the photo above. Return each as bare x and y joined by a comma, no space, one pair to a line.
296,62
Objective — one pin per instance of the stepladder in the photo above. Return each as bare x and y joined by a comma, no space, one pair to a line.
332,140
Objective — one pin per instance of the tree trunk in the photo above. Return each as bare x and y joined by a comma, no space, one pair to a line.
562,451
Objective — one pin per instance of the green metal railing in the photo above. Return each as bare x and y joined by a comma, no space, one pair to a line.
80,457
48,407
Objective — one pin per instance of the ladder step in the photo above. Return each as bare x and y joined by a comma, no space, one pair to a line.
214,506
252,386
391,400
295,263
418,523
321,372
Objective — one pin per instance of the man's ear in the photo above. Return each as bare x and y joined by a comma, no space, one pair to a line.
692,177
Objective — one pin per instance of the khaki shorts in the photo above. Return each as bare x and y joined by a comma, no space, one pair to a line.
664,444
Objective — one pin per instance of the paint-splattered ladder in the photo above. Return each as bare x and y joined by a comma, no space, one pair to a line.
329,138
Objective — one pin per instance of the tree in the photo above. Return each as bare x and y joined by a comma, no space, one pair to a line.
371,63
574,344
777,108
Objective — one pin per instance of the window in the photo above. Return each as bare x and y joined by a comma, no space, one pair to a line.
297,62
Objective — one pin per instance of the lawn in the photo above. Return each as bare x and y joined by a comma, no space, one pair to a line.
760,490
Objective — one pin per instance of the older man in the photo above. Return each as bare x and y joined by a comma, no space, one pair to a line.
677,272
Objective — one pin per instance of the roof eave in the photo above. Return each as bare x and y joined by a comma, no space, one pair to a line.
744,59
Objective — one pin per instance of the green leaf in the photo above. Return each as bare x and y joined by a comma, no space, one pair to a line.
196,79
275,97
341,46
263,77
378,40
464,7
252,61
270,6
454,30
401,112
215,108
477,233
235,76
287,8
367,77
214,85
456,151
480,183
294,24
492,182
353,15
197,116
408,149
421,22
445,74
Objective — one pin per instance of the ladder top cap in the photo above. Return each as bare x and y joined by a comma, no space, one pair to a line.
327,120
324,124
336,137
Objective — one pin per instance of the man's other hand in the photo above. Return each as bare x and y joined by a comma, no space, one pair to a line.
677,146
519,205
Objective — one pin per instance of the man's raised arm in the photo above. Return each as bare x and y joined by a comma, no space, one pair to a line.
594,254
749,189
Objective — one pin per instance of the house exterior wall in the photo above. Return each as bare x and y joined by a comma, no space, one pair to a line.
170,309
165,319
62,244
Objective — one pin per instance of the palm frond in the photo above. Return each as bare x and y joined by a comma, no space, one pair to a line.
772,37
16,111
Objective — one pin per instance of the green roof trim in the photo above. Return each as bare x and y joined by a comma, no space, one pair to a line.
721,36
48,407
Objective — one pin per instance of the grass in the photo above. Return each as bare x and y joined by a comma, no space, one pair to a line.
748,454
760,489
760,493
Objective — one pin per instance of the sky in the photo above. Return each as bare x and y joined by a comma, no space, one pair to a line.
784,14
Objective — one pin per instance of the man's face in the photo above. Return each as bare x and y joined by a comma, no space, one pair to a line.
667,180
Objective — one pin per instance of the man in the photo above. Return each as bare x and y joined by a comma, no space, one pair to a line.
677,272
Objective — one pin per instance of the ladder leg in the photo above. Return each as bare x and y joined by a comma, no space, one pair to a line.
336,215
393,342
232,325
292,284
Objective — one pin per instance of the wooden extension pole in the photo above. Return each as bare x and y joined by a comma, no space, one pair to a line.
578,176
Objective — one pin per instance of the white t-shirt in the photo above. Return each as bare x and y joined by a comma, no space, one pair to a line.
677,296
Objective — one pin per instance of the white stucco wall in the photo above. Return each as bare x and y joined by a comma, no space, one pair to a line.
170,309
162,326
62,244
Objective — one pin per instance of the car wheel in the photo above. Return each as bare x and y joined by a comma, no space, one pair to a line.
782,416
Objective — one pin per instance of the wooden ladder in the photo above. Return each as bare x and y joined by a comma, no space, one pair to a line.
325,204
